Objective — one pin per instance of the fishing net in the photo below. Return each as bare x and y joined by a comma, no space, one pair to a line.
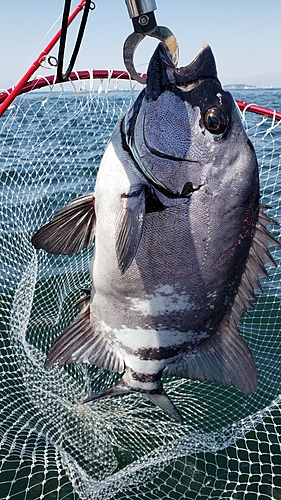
54,447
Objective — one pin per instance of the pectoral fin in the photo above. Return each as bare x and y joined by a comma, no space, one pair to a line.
129,227
80,343
71,228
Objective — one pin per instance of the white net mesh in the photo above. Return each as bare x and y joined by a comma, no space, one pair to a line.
52,446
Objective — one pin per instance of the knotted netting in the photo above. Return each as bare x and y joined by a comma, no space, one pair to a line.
54,447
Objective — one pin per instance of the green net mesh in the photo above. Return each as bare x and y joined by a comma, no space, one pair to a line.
54,447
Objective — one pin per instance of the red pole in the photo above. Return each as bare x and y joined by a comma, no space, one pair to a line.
259,110
9,99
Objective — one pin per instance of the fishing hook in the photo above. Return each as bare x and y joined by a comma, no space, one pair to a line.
142,14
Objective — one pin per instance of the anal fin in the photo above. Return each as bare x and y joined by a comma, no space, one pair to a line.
71,228
80,343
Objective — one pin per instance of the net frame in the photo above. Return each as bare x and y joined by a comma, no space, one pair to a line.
252,446
92,74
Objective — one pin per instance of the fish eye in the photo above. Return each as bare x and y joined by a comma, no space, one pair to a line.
215,121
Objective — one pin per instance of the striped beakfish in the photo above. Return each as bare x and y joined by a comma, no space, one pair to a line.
181,240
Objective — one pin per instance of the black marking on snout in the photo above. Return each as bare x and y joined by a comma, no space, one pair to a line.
203,66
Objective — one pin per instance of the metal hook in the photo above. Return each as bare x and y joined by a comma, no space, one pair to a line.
163,34
144,22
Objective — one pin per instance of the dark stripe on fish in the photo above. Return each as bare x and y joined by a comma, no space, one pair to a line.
144,377
158,353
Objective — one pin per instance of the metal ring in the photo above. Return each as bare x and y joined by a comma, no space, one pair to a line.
129,48
51,59
161,33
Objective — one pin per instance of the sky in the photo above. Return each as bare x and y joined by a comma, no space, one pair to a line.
245,36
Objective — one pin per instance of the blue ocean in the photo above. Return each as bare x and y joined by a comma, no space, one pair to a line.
53,447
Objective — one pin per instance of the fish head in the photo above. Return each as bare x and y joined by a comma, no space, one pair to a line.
184,125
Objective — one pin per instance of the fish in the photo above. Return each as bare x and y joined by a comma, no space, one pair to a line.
181,241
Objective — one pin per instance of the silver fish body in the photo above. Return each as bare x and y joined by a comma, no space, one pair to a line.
180,240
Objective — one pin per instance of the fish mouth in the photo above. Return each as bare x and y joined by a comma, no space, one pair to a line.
201,68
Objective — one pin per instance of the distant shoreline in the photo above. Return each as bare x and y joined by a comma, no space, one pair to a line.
235,86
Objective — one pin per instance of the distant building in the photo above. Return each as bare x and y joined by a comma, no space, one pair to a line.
239,86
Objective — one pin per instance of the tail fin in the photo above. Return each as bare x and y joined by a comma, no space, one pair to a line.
164,402
159,399
116,390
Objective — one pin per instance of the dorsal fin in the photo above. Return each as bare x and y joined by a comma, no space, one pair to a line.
224,357
254,268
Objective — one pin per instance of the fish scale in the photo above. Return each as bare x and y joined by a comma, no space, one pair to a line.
181,240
